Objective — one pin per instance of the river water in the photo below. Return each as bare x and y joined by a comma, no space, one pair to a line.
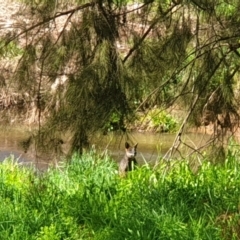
10,139
151,147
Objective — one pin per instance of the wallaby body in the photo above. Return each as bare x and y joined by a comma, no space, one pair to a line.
129,161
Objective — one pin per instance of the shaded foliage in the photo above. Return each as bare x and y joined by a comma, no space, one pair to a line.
85,62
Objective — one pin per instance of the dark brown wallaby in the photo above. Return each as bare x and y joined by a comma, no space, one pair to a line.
129,161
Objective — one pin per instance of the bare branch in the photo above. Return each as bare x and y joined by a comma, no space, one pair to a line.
178,140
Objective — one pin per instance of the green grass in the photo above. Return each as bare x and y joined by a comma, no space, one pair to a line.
86,199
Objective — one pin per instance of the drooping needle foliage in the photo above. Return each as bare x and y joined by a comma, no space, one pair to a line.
83,62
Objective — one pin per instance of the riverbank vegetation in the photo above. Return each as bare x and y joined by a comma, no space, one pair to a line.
157,121
86,199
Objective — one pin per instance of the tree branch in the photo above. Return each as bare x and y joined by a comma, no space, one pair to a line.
178,140
147,32
71,11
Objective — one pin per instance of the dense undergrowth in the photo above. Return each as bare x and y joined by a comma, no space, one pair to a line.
86,199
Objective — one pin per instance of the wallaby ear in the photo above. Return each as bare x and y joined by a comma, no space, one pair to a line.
127,145
135,146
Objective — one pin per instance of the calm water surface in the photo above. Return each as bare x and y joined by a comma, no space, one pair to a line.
151,147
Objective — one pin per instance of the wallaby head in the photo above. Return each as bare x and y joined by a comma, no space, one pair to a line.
129,161
131,152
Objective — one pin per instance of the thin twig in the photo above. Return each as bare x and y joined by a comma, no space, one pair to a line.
136,45
71,11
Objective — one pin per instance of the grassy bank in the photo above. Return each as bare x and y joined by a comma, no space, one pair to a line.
86,199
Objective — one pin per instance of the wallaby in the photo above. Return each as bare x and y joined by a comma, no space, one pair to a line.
129,161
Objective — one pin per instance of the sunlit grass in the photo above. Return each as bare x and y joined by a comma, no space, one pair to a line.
86,199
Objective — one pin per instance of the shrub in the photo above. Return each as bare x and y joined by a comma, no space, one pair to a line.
158,121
